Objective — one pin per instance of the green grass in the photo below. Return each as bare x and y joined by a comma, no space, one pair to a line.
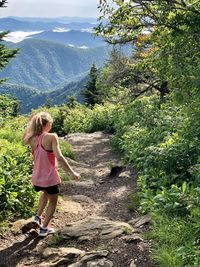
134,201
168,257
171,237
64,176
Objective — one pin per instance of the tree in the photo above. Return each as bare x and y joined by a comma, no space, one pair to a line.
127,18
72,101
3,3
8,106
48,103
5,53
128,77
172,56
90,92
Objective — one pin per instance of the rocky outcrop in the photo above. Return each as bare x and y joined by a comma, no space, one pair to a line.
95,226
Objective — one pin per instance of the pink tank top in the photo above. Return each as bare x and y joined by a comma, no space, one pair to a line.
45,169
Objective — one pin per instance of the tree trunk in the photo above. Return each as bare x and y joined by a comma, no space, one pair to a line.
163,91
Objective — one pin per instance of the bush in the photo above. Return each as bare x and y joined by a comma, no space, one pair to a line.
101,118
67,149
85,119
16,192
176,243
76,120
163,144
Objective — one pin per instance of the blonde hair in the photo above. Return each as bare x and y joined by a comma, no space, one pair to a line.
36,124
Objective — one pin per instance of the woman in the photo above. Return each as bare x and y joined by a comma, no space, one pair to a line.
46,152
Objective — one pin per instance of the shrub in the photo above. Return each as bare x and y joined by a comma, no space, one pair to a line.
16,192
67,150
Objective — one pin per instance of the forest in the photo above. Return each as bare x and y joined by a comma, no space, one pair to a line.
150,102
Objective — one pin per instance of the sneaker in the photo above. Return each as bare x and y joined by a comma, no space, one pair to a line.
37,219
46,231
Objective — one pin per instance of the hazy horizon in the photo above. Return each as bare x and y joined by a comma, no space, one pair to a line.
48,8
38,17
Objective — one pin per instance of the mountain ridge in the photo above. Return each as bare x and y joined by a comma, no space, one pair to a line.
31,98
45,65
74,37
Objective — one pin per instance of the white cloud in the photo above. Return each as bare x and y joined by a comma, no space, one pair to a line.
61,30
83,47
18,36
87,30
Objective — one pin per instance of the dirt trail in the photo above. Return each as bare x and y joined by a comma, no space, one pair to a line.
92,218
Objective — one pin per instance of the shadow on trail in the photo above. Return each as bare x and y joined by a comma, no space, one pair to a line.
113,194
12,255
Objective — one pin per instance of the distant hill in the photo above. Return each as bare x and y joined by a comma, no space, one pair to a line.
31,98
80,25
57,19
15,24
45,65
76,38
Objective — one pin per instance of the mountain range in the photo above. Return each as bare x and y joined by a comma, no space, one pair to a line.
54,59
15,24
58,19
31,98
81,38
45,65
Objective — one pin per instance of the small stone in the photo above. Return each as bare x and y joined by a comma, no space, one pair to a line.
132,264
84,238
61,256
115,250
82,199
21,226
140,221
125,174
96,259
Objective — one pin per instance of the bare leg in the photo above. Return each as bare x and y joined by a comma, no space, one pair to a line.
42,203
50,209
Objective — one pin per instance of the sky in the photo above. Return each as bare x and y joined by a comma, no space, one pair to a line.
50,8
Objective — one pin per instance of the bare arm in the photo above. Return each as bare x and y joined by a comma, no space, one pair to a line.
61,159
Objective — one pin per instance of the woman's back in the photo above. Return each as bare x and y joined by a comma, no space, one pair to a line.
46,142
45,169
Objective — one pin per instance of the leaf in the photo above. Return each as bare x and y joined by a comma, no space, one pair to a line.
184,187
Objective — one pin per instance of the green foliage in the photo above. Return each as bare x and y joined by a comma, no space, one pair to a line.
85,119
8,106
176,243
6,54
90,92
16,192
101,118
134,201
58,115
162,143
66,149
17,196
170,60
76,120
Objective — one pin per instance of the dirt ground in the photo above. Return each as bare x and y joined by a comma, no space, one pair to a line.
101,192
